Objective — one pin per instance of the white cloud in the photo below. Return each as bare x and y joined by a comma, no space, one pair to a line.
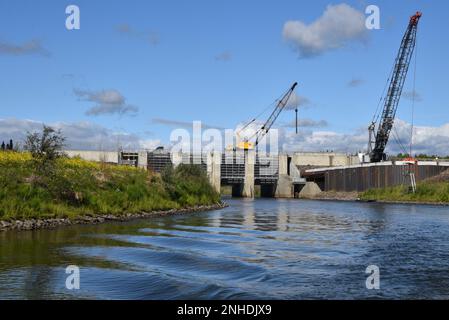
90,136
106,102
412,95
309,141
296,100
182,124
428,140
79,135
224,56
355,82
337,27
150,37
149,144
29,47
306,123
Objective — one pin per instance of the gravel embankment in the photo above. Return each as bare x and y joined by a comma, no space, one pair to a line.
33,224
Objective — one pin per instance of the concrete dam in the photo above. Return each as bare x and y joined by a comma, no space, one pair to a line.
277,175
280,175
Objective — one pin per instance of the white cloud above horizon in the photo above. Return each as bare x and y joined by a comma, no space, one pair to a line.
91,136
412,95
150,37
297,101
306,123
224,56
79,135
355,82
106,102
30,47
338,26
426,140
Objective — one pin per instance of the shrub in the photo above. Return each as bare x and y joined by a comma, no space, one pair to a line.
76,187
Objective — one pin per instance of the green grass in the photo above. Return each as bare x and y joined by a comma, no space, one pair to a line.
432,192
71,188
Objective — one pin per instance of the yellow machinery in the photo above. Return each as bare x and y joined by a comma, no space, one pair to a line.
247,143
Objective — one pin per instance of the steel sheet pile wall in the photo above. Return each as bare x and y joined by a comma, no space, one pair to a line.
371,177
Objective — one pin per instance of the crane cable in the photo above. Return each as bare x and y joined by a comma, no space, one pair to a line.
413,98
270,106
376,115
402,147
254,119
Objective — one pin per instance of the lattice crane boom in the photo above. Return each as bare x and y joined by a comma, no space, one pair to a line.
262,131
393,96
275,114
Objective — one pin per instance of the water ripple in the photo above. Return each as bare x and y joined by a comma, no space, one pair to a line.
264,249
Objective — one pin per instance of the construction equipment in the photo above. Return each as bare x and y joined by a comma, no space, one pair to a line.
391,102
248,143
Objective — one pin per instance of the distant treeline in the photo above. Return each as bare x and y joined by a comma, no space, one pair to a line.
8,146
421,156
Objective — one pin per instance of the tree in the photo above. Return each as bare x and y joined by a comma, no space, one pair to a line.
3,146
45,146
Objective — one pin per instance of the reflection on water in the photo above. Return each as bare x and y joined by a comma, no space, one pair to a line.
262,249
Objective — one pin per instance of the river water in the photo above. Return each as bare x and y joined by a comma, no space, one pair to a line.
254,249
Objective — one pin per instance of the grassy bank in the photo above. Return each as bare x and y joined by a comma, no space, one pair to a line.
69,188
427,192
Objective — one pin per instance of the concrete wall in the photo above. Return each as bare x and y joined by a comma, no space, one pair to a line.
106,156
97,156
318,159
143,160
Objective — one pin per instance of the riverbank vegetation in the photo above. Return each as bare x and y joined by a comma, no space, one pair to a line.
75,187
426,192
40,184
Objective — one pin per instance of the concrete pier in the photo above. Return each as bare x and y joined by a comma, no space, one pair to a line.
284,187
142,161
248,183
214,169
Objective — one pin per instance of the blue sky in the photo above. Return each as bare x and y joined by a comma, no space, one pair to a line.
220,62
